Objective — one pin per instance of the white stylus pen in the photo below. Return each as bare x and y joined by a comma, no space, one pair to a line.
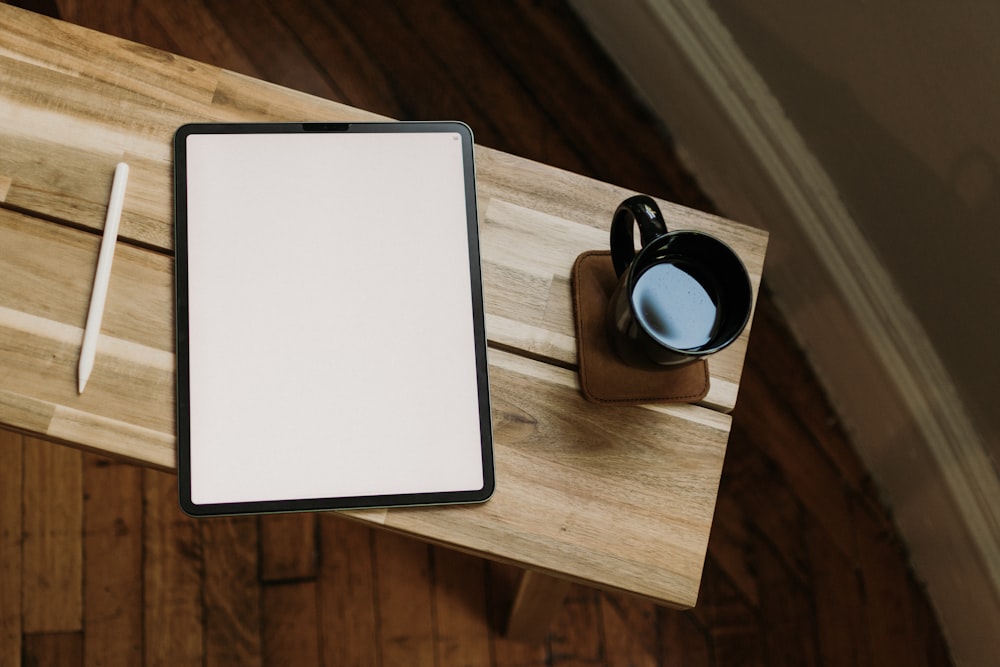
107,253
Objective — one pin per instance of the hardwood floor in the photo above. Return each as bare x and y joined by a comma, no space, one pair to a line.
98,565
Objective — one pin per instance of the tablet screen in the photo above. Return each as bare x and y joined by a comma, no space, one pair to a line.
331,346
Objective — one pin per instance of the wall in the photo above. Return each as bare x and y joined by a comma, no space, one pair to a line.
899,100
863,136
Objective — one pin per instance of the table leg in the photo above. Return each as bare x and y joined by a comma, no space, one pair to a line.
539,598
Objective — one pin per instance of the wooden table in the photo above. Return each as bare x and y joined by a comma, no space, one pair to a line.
616,497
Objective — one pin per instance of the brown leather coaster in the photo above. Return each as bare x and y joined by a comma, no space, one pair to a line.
604,377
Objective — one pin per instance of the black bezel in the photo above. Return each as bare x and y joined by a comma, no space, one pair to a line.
181,291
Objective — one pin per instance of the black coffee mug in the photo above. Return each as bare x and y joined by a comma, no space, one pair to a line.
682,296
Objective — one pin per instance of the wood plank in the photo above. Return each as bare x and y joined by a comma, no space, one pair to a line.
791,637
727,544
11,507
290,633
53,649
128,406
631,633
539,599
535,221
810,475
52,553
51,257
240,98
415,72
570,71
684,642
172,614
525,392
46,7
284,61
733,627
112,575
288,547
543,189
88,143
887,584
577,637
327,30
191,29
71,48
777,357
115,19
838,591
461,628
752,482
513,192
230,591
503,113
405,610
503,584
558,452
346,589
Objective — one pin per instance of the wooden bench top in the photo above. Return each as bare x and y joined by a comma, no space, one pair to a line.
620,498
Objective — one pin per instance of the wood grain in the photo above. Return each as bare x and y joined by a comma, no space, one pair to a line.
535,219
11,498
131,416
128,408
631,635
347,597
231,591
554,451
54,649
684,642
539,597
577,637
843,637
504,581
290,634
783,553
112,573
404,608
757,504
733,626
173,616
288,547
52,551
72,194
461,633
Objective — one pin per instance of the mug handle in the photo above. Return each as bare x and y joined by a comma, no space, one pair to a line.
640,210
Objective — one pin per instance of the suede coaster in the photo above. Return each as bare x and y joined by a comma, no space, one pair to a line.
604,377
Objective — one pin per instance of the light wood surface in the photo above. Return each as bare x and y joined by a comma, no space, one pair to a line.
621,498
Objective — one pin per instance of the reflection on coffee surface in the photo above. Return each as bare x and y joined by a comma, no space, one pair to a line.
675,307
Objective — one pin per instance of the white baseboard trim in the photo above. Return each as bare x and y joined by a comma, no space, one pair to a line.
878,366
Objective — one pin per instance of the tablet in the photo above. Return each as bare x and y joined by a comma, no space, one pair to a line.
331,346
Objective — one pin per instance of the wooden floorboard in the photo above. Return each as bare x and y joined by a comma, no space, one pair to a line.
99,566
112,572
172,605
11,546
231,591
52,547
348,608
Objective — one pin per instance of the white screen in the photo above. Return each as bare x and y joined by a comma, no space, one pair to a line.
330,317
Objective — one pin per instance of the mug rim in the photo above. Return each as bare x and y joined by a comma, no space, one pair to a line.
633,277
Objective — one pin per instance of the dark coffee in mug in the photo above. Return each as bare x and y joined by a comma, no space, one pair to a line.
683,295
677,308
